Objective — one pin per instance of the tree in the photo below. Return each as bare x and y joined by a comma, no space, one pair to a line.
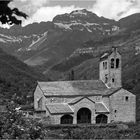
8,15
14,125
71,75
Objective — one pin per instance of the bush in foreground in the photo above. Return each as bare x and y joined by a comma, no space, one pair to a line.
13,125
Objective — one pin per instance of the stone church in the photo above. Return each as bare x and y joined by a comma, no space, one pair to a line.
88,101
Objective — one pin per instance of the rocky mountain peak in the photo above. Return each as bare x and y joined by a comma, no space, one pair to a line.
82,12
77,16
84,20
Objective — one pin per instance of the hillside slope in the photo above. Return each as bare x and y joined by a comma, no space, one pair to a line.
17,80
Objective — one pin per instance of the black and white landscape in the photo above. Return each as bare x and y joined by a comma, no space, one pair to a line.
51,50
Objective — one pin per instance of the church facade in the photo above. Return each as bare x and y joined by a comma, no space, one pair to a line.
88,101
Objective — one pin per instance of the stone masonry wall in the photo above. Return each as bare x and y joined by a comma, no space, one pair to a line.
123,106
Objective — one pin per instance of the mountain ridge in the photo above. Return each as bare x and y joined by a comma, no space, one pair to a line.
48,43
59,33
17,80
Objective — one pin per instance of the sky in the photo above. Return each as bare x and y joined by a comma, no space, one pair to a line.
46,10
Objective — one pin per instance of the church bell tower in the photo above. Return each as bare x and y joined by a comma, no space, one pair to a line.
110,68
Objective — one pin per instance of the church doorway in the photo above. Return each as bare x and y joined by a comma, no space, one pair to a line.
101,119
66,119
84,116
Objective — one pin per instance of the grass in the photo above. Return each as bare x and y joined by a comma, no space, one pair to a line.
103,131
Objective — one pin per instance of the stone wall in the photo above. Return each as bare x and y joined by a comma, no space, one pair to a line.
123,106
111,76
38,95
115,72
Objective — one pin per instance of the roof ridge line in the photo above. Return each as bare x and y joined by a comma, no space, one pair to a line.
68,81
57,103
105,106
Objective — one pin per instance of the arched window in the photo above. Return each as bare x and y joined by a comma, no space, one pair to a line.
126,98
117,62
40,103
112,63
113,80
106,78
102,118
66,119
84,116
115,111
105,65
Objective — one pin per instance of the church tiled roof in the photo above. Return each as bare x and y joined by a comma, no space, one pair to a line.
78,99
59,108
105,55
75,88
63,108
101,108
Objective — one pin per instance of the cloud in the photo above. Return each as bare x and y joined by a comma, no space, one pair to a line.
42,10
29,6
38,3
116,9
48,13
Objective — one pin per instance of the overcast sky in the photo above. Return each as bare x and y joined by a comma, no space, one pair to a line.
45,10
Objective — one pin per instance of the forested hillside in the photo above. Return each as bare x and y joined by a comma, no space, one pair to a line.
17,80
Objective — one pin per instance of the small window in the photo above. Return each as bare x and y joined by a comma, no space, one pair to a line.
112,63
126,98
113,80
40,103
106,78
115,111
105,65
117,62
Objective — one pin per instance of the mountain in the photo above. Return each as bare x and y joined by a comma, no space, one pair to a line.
48,43
127,22
126,36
